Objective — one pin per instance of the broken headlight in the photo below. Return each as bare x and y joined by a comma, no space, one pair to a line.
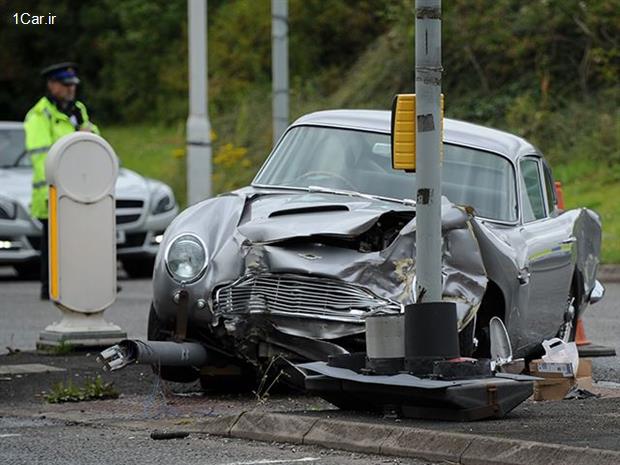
186,258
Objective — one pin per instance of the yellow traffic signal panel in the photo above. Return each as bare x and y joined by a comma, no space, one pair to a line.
404,131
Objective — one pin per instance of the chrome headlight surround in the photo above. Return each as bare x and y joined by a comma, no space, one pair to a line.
186,258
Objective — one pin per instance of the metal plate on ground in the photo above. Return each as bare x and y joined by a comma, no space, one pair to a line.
412,397
596,350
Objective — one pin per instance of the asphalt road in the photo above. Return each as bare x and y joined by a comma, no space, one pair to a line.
37,440
33,441
23,316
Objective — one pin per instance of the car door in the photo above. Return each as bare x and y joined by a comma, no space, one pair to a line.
549,251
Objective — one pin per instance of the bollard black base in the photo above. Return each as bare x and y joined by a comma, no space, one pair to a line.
465,368
430,334
384,366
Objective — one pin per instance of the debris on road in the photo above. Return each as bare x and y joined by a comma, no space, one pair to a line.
159,435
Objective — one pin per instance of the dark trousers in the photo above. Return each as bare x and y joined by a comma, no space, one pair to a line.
45,286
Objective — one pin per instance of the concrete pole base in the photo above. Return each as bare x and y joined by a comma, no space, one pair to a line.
80,330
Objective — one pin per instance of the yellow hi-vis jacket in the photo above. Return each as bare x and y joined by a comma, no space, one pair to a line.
44,125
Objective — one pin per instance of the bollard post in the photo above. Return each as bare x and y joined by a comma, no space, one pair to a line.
81,171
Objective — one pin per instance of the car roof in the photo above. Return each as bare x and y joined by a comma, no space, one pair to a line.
11,125
457,132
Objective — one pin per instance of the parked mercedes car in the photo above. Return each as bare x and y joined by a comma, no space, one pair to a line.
325,235
144,208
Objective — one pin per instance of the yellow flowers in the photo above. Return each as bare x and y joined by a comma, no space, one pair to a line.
229,156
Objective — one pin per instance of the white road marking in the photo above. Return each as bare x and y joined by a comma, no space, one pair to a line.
268,462
10,435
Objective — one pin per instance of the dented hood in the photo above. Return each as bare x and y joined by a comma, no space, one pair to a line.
275,216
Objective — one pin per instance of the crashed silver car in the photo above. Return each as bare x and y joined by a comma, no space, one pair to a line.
326,234
144,208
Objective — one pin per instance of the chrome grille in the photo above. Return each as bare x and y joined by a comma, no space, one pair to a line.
297,295
128,210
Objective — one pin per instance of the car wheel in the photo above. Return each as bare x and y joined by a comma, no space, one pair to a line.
157,332
568,330
28,270
139,267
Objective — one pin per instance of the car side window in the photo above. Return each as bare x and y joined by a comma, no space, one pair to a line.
532,199
550,188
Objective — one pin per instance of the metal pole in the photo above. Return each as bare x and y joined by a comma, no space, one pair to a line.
279,66
428,148
198,126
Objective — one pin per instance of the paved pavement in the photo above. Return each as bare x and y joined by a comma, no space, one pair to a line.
23,316
33,441
146,405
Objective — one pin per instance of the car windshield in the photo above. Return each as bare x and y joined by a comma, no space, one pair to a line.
11,147
360,161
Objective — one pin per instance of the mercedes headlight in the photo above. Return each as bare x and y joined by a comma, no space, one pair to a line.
163,200
186,258
8,209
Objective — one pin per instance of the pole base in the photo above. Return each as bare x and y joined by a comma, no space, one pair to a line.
413,397
80,330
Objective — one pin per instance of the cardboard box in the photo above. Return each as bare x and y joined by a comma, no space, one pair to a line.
585,382
585,368
556,383
552,388
551,370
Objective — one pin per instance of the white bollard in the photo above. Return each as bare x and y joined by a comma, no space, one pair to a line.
81,171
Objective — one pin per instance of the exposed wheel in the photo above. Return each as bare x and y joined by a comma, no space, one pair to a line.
466,339
568,331
157,332
139,267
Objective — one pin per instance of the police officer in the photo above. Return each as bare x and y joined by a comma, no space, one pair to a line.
55,115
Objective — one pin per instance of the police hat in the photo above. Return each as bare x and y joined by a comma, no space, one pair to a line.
62,72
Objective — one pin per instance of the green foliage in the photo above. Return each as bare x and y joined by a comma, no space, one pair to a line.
545,69
153,151
62,348
92,390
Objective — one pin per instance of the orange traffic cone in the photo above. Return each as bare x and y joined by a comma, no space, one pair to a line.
559,195
580,334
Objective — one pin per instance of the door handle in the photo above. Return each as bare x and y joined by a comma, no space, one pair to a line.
570,240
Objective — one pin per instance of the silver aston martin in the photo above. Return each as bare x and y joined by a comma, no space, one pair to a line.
326,234
144,208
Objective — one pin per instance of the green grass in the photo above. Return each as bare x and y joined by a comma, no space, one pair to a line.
93,389
154,151
586,184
